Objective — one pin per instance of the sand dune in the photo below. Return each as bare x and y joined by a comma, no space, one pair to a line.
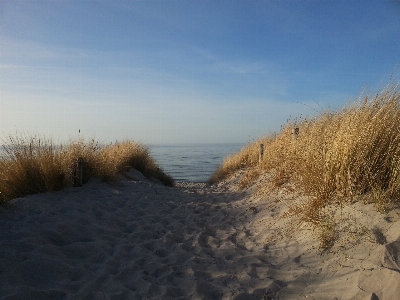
137,239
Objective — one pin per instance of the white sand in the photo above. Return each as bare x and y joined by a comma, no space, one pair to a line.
141,240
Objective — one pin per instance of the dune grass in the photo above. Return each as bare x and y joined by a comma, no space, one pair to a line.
334,159
30,165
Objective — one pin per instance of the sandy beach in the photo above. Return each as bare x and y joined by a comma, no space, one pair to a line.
138,239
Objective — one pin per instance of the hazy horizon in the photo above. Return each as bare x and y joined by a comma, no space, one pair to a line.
170,72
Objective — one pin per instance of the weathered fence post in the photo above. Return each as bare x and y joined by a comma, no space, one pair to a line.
261,153
295,132
78,172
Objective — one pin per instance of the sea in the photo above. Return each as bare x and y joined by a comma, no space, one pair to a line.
192,162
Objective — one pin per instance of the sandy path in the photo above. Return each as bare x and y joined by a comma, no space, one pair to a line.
132,240
141,240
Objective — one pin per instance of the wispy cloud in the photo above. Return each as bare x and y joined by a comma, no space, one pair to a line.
168,70
22,52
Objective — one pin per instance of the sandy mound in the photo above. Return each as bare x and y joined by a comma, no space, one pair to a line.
140,240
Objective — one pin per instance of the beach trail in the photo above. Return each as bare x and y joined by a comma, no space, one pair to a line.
137,239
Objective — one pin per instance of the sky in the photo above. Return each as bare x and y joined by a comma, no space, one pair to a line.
168,72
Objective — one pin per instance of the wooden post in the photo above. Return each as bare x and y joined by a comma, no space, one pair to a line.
261,154
78,172
295,132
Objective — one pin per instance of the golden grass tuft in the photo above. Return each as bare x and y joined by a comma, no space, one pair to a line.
30,165
245,159
335,158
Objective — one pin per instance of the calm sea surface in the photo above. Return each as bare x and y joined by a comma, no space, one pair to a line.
192,162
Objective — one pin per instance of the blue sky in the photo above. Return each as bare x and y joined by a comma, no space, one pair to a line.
187,71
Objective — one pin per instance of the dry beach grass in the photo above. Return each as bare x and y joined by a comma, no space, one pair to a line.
32,164
336,158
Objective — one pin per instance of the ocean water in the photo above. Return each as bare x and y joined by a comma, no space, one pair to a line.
194,162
